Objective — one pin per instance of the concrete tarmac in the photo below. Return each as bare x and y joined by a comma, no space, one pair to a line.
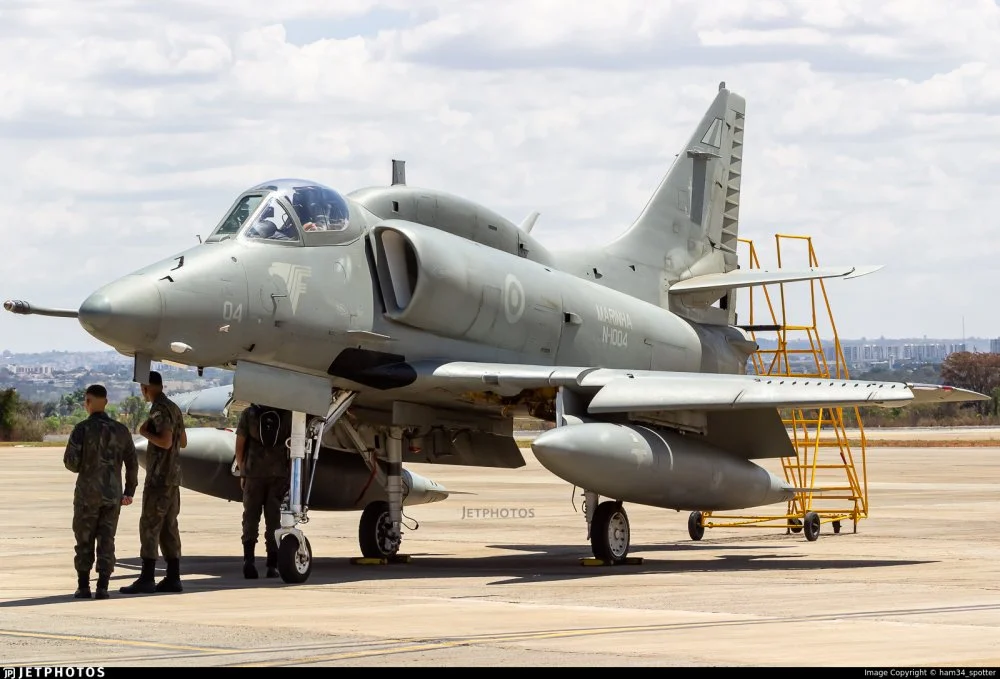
496,580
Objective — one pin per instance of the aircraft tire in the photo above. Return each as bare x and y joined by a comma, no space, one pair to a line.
695,528
610,533
372,530
811,526
294,564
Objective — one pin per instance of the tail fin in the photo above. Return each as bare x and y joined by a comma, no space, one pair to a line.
691,224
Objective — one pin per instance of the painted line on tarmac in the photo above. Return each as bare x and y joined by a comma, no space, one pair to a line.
418,646
186,653
106,640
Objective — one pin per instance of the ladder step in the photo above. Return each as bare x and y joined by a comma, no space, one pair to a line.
834,497
809,442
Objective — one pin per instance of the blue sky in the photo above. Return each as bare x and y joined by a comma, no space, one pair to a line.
127,128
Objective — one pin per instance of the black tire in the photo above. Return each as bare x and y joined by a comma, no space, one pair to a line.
373,531
836,526
795,525
610,533
294,565
695,528
811,526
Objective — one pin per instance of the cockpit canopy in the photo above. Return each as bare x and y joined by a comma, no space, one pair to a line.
289,211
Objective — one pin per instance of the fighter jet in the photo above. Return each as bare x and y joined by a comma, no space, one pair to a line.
408,325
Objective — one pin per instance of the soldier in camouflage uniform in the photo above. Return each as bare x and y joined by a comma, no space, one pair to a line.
262,458
96,452
161,498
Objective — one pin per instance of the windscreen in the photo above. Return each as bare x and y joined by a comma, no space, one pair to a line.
273,223
244,207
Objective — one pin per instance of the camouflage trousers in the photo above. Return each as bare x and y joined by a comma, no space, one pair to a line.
158,523
263,495
95,523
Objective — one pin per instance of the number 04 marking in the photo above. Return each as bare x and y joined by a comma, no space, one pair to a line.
231,313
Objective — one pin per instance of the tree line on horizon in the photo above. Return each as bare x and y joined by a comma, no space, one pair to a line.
26,421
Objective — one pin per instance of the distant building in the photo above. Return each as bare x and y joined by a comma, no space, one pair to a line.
995,346
30,369
893,352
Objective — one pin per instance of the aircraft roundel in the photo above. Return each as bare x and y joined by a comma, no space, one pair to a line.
513,299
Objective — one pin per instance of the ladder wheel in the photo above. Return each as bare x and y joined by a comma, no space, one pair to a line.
836,526
811,526
795,525
695,527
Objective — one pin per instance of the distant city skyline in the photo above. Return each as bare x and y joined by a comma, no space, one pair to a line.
948,344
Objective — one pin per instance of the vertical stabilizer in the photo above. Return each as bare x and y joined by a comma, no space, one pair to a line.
690,225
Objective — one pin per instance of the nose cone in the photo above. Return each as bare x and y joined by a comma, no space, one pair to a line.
125,314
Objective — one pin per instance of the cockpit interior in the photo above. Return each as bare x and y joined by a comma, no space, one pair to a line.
288,211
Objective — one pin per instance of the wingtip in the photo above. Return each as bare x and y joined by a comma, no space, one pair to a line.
948,392
860,271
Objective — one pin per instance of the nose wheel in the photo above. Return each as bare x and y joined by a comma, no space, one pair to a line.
294,558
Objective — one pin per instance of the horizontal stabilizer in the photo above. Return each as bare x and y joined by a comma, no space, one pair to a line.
745,278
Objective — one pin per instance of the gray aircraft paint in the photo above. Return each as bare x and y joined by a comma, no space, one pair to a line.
342,479
448,319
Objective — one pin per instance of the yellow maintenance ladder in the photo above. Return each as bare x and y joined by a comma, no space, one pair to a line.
826,462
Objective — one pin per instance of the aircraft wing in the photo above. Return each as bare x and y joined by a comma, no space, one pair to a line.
616,390
648,390
685,392
745,278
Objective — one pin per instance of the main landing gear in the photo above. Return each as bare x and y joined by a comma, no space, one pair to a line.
379,531
608,530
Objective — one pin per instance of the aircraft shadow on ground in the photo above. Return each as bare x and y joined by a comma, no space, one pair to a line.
533,564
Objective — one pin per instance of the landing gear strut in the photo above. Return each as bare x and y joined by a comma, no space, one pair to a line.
294,550
380,529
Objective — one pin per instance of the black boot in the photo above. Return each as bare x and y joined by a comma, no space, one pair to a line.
102,586
82,585
171,583
272,564
249,569
145,584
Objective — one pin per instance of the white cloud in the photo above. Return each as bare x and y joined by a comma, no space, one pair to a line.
126,128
